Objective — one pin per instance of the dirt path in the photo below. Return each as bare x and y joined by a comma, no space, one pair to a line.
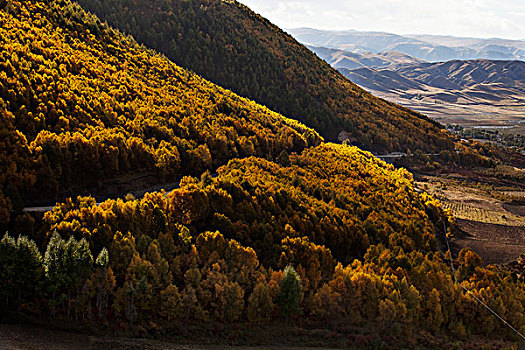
23,337
32,338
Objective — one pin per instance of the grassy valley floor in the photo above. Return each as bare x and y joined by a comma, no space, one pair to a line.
505,116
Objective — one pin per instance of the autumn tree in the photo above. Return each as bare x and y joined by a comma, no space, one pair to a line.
171,303
27,269
104,281
260,304
55,269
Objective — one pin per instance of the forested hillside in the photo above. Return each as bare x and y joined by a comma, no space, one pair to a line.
268,224
81,104
338,196
229,44
217,250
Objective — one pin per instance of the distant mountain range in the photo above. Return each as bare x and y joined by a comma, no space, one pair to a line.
474,81
462,91
433,48
471,81
350,60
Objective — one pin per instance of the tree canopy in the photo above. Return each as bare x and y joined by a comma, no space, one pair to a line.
229,44
81,105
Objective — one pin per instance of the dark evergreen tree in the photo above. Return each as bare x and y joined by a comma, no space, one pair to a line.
289,293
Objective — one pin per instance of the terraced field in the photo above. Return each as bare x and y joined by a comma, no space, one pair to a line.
519,195
490,219
470,212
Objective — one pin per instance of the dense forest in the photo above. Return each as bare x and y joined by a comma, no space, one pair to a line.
81,104
227,43
267,224
331,237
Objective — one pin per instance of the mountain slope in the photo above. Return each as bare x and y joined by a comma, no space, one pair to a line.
425,47
81,105
381,80
214,255
225,240
214,250
469,73
350,60
467,82
261,203
229,44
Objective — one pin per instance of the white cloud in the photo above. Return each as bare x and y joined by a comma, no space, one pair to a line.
477,18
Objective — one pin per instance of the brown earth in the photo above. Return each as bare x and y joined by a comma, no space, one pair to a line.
30,337
25,337
495,244
506,118
489,215
516,209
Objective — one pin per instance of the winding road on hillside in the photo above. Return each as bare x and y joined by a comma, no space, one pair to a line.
137,194
168,187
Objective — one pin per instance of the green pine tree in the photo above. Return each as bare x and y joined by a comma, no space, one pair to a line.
290,292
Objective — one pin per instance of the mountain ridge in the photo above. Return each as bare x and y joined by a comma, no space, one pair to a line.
435,49
456,91
475,79
229,44
350,60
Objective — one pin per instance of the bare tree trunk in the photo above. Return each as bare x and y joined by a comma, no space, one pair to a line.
68,303
53,308
76,304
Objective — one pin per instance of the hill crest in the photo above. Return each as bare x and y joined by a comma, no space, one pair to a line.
229,44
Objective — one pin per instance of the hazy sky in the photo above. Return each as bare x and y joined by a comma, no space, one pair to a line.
475,18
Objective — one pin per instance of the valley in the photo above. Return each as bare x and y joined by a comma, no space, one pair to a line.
448,92
504,117
452,80
468,93
216,185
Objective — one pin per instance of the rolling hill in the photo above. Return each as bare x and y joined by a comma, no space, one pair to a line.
85,105
495,80
227,43
349,60
498,87
473,92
